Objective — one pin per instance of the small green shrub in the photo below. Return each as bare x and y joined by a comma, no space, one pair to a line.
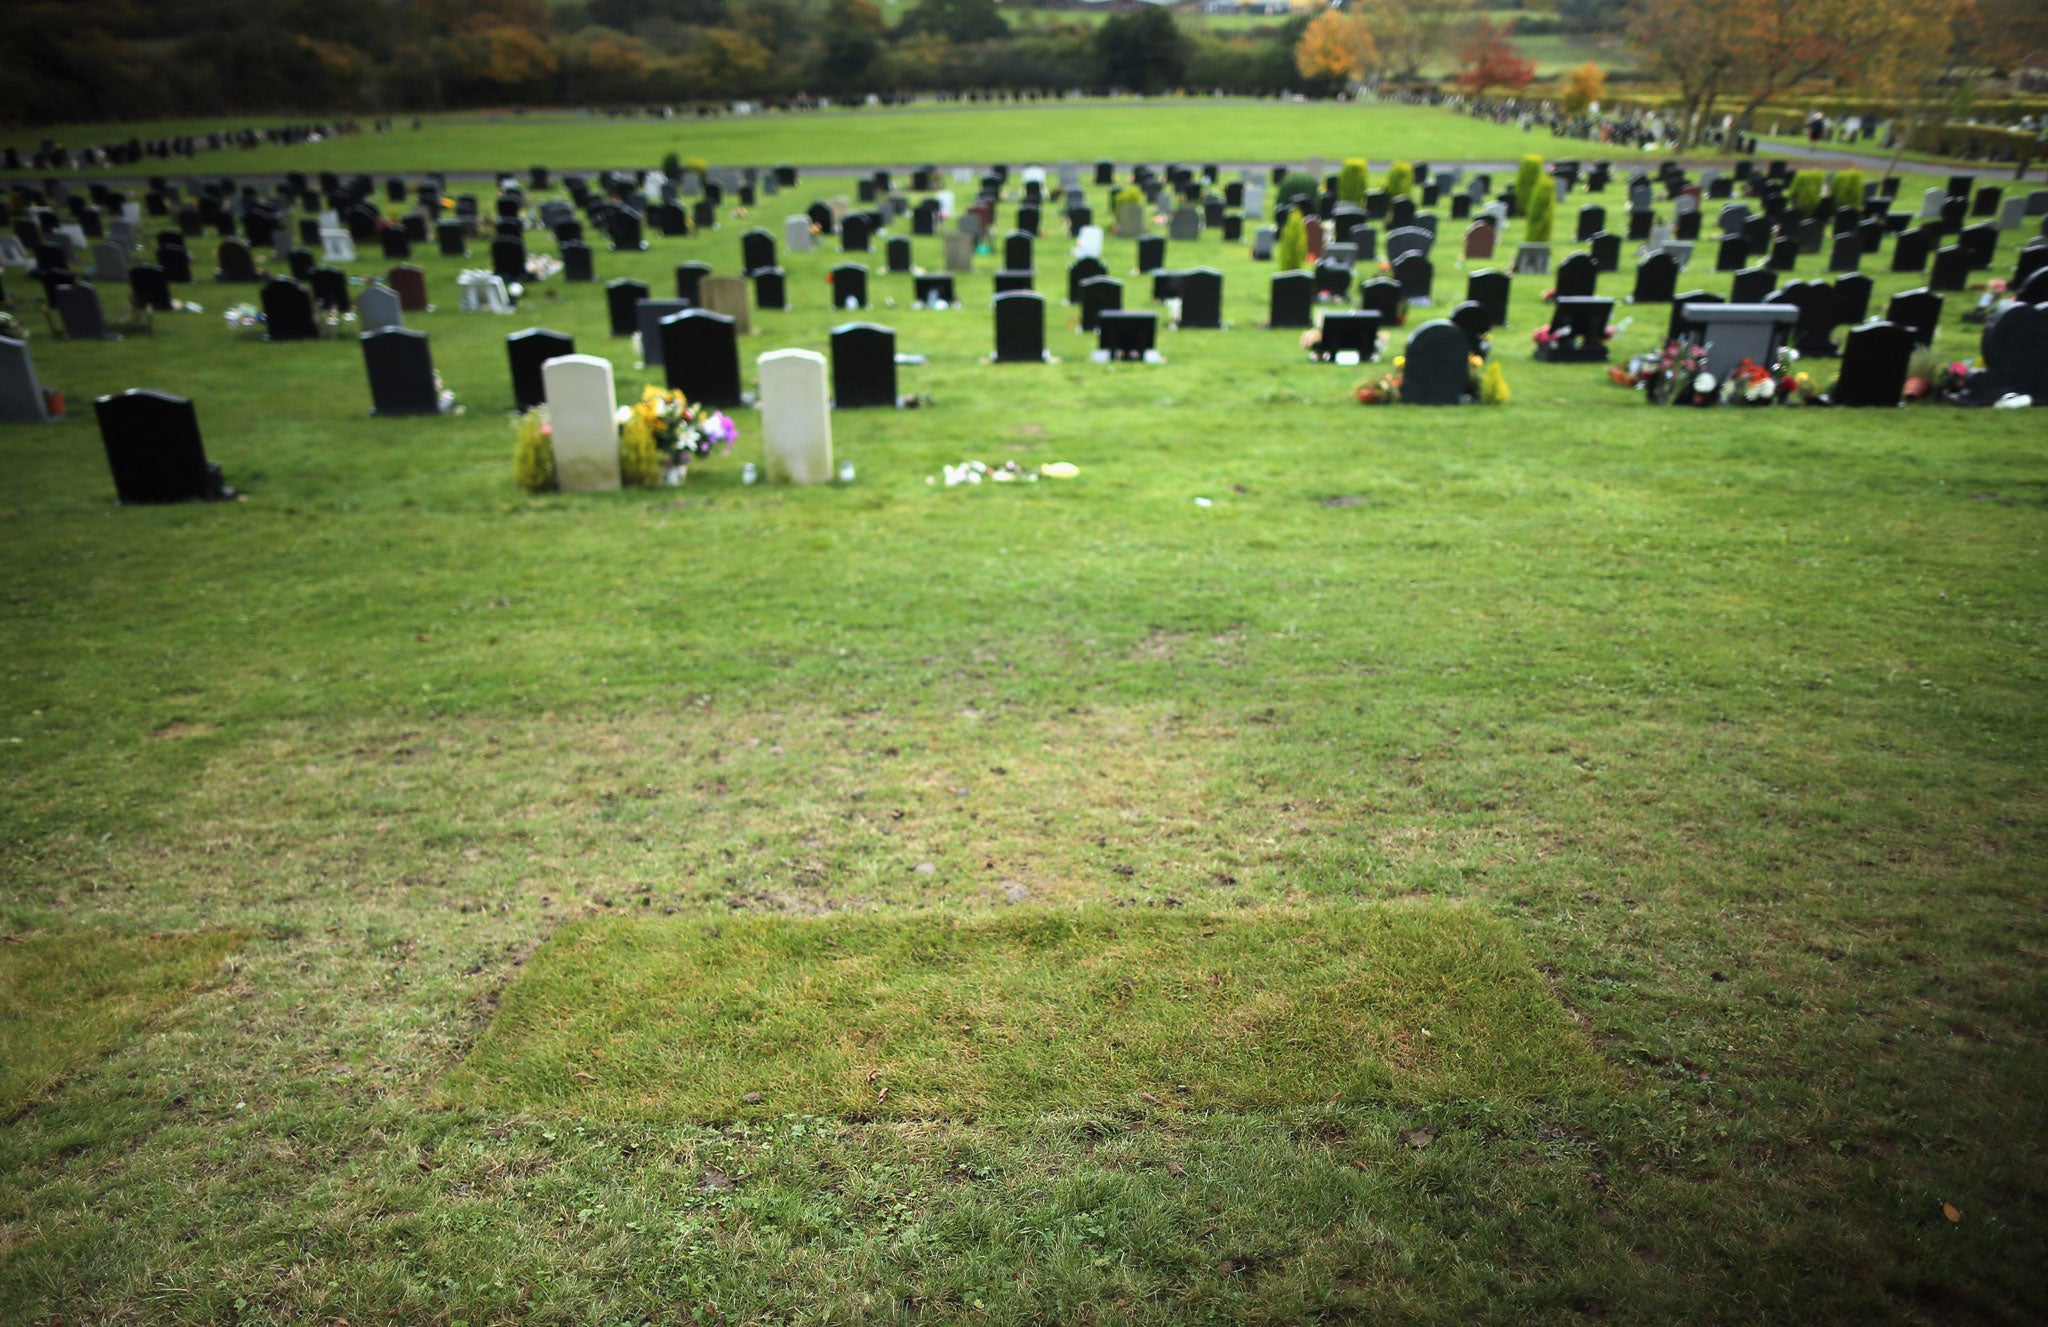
1291,253
639,458
1528,179
1296,184
1130,193
1805,192
1352,180
1846,191
1542,215
1400,179
533,456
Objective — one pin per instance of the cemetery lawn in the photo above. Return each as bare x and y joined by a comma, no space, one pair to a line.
1228,129
1678,771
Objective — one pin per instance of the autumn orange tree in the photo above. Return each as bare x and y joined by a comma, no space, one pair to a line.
1334,48
1491,61
1582,89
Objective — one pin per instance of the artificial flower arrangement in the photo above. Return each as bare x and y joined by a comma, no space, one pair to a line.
661,433
243,315
1383,390
1677,375
543,266
1929,378
1485,382
1566,344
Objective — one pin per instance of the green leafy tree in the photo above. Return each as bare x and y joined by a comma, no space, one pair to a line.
1142,52
955,20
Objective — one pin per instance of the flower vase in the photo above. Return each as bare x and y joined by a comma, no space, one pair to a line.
673,476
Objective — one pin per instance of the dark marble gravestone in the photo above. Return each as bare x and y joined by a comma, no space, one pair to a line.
287,311
1918,311
330,289
1383,297
397,244
1682,328
1656,279
1847,253
527,351
1080,270
1812,332
1979,245
1357,332
1874,359
700,351
236,265
1292,300
1752,284
1020,328
1606,252
932,289
1151,254
401,371
1490,290
771,289
1201,299
1123,334
1592,220
1416,276
453,237
690,281
849,286
1577,276
863,366
1579,327
1017,251
148,288
621,298
508,258
1437,368
1852,298
155,451
2015,354
1473,322
411,285
1951,269
578,263
854,233
897,256
78,309
1098,294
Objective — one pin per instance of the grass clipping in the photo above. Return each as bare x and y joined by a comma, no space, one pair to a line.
66,998
1022,1013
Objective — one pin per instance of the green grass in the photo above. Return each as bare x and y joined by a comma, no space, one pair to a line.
1196,129
1731,720
1023,1014
65,999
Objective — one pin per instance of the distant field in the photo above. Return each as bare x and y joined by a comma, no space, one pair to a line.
1220,129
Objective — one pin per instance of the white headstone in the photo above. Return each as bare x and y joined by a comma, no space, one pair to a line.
583,410
1088,244
796,420
945,200
796,234
338,246
1931,201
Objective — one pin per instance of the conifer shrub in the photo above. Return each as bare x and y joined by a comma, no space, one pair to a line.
1542,215
1296,184
1805,192
1846,192
533,455
1352,180
1400,179
1291,252
639,458
1528,178
1493,384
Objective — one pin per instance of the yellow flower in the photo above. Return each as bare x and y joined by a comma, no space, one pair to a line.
1400,361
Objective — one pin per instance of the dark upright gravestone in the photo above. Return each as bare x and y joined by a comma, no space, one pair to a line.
236,266
1784,253
1017,246
154,449
401,370
897,255
1292,300
330,289
453,238
701,352
1852,298
1918,311
1151,254
849,286
1470,319
853,233
1490,289
1356,332
2015,354
1099,293
1201,299
527,351
1080,270
771,289
303,264
578,264
1437,370
690,281
621,299
411,285
1606,250
1979,245
1578,328
1592,220
1874,359
287,312
1416,276
1656,279
648,315
932,290
1124,334
1577,276
1682,328
1752,284
148,287
78,307
863,366
508,258
1847,253
757,251
397,244
1812,331
1951,269
1383,297
1020,328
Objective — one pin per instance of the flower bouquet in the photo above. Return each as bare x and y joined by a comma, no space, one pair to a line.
661,433
239,316
1384,390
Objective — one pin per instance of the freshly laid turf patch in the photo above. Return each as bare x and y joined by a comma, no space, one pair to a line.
1027,1013
67,998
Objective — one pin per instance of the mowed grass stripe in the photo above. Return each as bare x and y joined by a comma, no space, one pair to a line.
65,998
1024,1013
